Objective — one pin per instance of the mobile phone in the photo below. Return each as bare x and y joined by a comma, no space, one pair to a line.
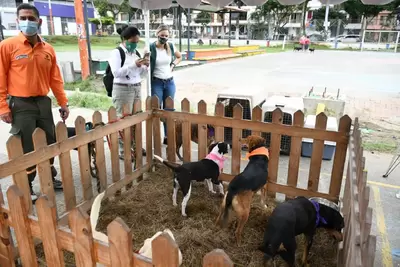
146,55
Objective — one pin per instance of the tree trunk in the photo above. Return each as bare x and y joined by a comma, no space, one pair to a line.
363,26
303,17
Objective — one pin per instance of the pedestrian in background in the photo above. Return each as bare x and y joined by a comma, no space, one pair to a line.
28,68
306,43
163,59
127,67
302,41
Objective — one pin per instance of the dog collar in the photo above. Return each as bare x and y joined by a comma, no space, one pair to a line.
258,151
217,159
319,217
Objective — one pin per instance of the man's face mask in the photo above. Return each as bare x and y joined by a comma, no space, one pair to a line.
28,27
131,47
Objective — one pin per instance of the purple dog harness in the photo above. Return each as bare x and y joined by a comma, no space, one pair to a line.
319,217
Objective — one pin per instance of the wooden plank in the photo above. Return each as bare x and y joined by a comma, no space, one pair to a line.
256,116
202,131
256,126
156,127
100,155
66,169
236,136
127,139
30,159
316,156
6,244
21,226
84,163
165,251
149,134
47,218
295,152
186,132
275,148
82,238
137,108
43,168
219,131
114,148
171,148
20,178
339,158
120,243
217,258
370,251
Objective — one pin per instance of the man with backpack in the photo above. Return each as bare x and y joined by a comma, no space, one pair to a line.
123,75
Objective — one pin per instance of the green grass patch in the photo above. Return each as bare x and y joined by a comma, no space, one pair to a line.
87,100
384,147
92,84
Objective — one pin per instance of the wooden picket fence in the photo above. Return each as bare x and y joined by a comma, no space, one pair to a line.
69,229
358,247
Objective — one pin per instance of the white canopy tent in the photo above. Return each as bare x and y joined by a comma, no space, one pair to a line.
147,5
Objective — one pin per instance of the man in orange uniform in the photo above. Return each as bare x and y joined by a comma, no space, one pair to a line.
28,68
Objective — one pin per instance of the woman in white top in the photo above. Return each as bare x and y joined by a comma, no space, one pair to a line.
127,76
163,58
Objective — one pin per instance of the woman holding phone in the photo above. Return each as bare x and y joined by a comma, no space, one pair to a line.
163,59
127,67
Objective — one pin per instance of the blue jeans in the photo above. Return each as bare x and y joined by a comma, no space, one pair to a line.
163,89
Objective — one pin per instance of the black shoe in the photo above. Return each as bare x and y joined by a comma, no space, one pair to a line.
57,184
165,142
53,172
34,197
144,153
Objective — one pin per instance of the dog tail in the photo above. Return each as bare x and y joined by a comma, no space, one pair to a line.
94,217
174,166
228,205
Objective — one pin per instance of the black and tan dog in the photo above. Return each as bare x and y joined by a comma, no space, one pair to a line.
207,169
294,217
311,50
297,48
243,186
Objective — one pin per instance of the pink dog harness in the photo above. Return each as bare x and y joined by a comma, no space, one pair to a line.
219,159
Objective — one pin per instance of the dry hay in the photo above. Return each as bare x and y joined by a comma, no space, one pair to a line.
148,208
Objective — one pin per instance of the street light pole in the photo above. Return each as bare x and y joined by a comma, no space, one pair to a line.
1,26
51,18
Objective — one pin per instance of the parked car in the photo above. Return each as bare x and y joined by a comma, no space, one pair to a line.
233,35
332,39
193,34
351,38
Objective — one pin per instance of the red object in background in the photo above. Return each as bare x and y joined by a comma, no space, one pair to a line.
82,41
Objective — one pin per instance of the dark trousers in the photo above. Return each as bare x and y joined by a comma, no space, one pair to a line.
29,113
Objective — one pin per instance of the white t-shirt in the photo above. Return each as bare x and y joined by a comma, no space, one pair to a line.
162,69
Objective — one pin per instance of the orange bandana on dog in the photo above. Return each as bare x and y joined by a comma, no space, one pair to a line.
258,151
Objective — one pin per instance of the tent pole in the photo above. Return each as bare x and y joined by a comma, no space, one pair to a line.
189,33
146,14
180,27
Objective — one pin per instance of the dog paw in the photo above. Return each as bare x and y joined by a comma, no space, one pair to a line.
213,192
175,204
184,215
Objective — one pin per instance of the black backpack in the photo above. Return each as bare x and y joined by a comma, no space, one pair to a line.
108,78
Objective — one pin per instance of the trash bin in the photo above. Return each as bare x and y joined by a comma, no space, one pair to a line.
99,65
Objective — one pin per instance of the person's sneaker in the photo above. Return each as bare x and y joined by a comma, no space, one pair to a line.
34,197
165,142
53,172
57,184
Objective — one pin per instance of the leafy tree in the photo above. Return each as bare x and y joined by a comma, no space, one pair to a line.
203,18
103,7
303,16
334,17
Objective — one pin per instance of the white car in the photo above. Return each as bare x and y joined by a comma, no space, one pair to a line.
332,39
233,35
345,38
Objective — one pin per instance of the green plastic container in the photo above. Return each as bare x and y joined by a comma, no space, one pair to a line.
99,65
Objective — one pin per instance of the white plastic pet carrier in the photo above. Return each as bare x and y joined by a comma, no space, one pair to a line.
248,101
289,105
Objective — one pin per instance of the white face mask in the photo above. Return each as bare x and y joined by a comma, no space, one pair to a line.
28,28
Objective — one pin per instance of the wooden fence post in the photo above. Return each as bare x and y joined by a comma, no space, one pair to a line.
165,251
217,258
186,132
295,152
47,218
171,149
43,168
14,149
21,226
127,140
202,132
6,242
100,155
317,154
236,136
66,169
114,143
84,161
156,126
137,107
219,130
83,240
120,243
256,116
149,134
275,148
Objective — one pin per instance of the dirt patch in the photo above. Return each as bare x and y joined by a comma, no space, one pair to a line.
69,257
148,208
381,136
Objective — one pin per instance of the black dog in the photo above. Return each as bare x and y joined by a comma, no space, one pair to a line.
297,48
294,217
207,169
311,50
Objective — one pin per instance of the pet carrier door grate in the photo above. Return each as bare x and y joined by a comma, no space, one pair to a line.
285,140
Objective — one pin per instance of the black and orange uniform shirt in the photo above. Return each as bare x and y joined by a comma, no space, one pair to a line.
27,71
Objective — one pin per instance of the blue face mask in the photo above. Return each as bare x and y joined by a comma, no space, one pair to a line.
28,28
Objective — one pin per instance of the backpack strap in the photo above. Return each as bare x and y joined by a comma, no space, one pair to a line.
153,57
171,46
138,54
123,55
